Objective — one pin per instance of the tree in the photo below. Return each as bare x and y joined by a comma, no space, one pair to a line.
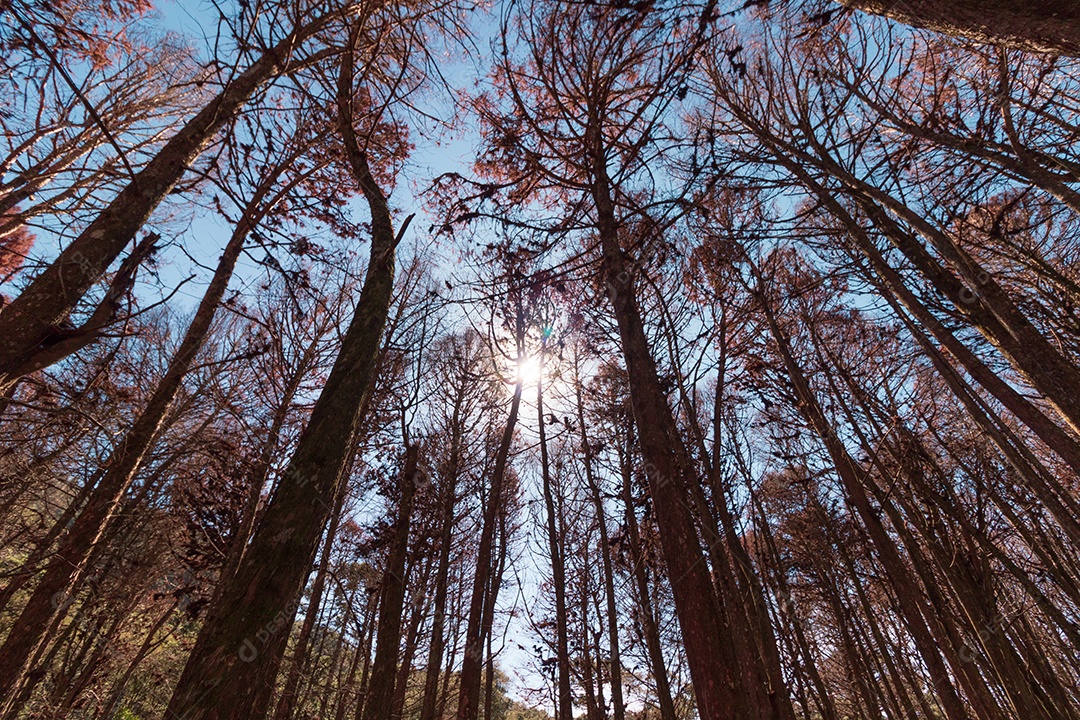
29,323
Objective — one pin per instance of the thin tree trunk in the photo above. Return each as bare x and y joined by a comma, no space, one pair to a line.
618,705
565,705
63,574
380,695
446,536
31,319
469,679
849,473
644,595
147,647
412,637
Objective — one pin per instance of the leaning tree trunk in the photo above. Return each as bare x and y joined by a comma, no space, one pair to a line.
302,651
29,324
70,561
850,474
231,670
1051,26
714,670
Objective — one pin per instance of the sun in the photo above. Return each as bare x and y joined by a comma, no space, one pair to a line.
529,370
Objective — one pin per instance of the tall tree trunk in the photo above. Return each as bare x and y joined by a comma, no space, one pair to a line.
472,664
259,474
448,493
644,594
231,670
1050,26
720,692
412,640
380,695
618,705
64,572
850,472
28,324
565,706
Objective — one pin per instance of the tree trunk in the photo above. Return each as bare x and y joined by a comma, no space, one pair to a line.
644,595
231,670
1050,26
565,706
903,583
412,638
470,678
287,701
147,647
709,652
618,705
29,322
446,537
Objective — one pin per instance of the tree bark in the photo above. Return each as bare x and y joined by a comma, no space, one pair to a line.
287,701
231,670
1050,26
446,537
